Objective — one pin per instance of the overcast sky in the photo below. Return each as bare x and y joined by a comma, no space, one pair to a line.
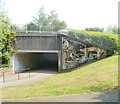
78,14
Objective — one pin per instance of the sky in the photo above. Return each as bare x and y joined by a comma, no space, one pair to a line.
78,14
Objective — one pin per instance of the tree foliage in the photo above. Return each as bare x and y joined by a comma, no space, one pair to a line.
113,29
7,37
46,22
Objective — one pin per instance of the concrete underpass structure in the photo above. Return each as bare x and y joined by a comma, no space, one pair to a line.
52,50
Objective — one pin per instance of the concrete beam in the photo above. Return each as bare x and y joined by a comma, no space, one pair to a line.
38,51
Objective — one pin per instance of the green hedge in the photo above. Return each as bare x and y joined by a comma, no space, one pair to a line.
105,39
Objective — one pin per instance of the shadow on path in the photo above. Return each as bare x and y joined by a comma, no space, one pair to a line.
108,96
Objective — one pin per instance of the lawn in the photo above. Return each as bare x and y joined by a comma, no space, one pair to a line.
99,76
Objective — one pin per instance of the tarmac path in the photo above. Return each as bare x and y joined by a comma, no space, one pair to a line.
109,96
35,75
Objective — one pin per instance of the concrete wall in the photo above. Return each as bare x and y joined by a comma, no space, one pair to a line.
76,53
34,60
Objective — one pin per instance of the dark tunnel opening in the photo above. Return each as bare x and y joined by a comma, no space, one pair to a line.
36,61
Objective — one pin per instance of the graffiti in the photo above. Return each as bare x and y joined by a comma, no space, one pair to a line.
76,53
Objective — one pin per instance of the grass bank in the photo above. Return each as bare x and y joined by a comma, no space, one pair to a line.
94,77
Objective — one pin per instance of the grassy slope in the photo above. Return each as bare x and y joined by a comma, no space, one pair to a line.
98,76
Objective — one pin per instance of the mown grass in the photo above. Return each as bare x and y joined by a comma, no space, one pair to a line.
94,77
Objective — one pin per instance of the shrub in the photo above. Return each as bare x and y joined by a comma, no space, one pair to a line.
7,37
105,39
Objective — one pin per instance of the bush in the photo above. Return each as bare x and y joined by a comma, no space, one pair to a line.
105,39
7,37
4,66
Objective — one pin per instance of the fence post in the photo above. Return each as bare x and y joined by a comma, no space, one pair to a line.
29,71
18,76
3,76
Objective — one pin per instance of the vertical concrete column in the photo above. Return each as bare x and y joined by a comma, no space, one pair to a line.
86,51
60,55
13,62
98,53
59,61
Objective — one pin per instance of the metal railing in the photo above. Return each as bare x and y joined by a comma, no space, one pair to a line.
17,76
42,28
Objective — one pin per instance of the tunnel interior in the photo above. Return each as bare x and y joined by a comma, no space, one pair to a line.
36,61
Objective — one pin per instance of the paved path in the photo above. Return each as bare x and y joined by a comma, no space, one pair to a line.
111,96
35,75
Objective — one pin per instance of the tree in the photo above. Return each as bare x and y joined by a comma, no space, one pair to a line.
55,22
41,22
46,22
109,29
116,30
95,29
59,25
52,17
32,26
7,37
113,29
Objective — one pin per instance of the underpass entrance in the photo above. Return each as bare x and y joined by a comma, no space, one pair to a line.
35,61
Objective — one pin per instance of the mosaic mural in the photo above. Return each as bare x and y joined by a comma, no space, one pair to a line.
75,53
